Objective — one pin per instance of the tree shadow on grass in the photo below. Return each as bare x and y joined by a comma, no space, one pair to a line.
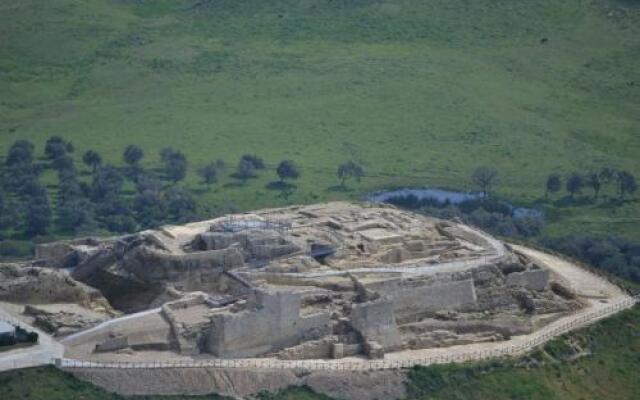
280,185
569,201
611,203
286,189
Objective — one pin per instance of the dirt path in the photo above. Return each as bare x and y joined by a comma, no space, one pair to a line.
583,282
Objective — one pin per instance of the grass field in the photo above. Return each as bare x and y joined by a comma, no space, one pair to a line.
422,91
606,368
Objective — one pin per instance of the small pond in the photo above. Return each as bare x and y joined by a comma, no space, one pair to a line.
441,198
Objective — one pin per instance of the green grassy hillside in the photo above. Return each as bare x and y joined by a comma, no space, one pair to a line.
420,92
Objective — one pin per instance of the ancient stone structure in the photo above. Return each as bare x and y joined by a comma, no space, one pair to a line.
274,323
322,281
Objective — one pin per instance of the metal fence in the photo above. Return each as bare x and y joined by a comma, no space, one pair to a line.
514,347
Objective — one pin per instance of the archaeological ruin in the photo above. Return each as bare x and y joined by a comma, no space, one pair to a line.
326,281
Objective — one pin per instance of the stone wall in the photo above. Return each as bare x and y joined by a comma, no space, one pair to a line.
375,321
314,349
275,324
255,243
416,298
151,265
457,232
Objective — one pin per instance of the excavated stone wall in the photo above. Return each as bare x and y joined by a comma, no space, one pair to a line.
152,265
254,244
276,323
375,321
410,299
